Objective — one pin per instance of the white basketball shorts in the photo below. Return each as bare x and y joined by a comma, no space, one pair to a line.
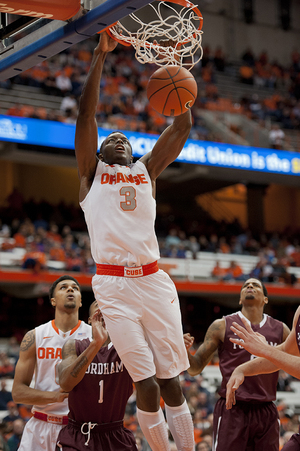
39,435
143,319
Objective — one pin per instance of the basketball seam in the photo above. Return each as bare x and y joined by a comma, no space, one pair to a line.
169,93
166,86
175,88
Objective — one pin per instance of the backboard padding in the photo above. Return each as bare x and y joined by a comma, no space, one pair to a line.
56,36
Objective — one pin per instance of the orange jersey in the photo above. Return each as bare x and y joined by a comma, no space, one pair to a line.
49,341
120,213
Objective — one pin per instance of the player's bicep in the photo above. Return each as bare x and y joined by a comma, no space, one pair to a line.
27,360
213,337
286,332
169,145
86,144
290,344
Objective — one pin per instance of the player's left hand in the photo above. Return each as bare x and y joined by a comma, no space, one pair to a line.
99,330
106,43
236,379
252,341
188,341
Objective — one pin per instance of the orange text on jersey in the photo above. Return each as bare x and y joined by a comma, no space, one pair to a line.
112,179
49,353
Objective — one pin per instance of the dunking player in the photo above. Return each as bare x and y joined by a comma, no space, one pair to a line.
40,352
99,387
285,356
253,422
139,302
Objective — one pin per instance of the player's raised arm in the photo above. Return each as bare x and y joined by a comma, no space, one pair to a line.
86,137
214,336
169,145
72,367
21,390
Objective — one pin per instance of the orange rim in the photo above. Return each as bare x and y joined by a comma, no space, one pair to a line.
107,29
184,3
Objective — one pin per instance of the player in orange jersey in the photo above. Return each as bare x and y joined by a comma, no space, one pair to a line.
139,302
40,353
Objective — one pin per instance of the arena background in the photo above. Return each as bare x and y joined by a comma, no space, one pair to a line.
264,203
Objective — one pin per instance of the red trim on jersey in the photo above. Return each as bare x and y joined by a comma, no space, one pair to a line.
55,419
54,327
127,271
75,328
72,331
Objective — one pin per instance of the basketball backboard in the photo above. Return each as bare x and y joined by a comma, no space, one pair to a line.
42,38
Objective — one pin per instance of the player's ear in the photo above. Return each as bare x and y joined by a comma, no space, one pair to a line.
266,300
53,302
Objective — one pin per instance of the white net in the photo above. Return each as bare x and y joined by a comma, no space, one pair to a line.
163,21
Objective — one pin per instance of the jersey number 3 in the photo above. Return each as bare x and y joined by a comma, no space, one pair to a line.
130,198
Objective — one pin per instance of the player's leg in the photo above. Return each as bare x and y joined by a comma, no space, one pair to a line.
265,427
163,330
123,321
230,427
178,414
153,426
150,415
39,434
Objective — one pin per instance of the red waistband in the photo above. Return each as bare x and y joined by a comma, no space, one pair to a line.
127,271
55,419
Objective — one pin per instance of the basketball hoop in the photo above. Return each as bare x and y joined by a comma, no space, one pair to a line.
177,20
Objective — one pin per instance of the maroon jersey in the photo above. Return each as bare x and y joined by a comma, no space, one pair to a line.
101,396
260,388
298,332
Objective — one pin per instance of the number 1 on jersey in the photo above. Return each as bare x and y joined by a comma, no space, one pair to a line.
101,384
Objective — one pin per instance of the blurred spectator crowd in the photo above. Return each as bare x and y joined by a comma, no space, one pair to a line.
123,101
55,237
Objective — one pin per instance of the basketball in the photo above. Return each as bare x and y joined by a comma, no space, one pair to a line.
172,90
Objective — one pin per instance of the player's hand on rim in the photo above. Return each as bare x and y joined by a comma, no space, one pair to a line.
106,43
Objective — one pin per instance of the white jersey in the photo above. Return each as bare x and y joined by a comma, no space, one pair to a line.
120,213
49,341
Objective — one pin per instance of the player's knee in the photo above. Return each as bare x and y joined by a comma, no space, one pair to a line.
171,391
148,391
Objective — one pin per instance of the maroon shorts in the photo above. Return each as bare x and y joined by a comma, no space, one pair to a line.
103,437
246,427
293,444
